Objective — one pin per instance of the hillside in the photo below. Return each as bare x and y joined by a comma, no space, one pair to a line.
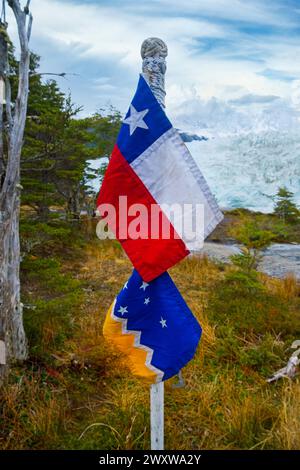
73,392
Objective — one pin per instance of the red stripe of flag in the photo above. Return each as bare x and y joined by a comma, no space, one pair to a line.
151,257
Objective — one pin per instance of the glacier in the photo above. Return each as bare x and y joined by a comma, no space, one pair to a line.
246,147
247,170
251,149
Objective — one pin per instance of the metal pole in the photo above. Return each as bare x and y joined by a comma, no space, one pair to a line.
154,52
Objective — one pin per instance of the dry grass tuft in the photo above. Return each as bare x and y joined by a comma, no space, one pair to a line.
286,430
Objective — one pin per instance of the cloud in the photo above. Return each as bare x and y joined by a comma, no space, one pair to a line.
215,117
277,75
233,10
214,48
253,99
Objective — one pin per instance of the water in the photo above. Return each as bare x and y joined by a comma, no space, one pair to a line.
278,260
281,259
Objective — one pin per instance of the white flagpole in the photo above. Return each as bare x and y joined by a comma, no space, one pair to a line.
157,416
154,52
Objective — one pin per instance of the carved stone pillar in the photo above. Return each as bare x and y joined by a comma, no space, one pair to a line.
154,52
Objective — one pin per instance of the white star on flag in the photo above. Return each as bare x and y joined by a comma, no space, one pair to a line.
125,285
122,310
147,300
144,286
163,322
136,119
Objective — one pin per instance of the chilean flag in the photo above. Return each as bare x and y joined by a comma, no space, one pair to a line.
151,166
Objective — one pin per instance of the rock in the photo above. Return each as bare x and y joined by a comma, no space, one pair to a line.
278,260
188,137
281,259
220,251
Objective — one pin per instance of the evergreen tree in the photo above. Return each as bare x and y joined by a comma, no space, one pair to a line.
285,208
57,148
106,127
43,137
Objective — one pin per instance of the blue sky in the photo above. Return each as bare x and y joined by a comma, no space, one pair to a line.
232,49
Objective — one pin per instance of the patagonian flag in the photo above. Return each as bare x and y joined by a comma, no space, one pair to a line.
152,326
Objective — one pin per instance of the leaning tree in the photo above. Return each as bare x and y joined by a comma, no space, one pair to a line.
13,109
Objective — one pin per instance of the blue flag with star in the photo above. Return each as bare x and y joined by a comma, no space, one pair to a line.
153,327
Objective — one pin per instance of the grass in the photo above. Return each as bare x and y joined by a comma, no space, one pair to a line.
75,393
282,232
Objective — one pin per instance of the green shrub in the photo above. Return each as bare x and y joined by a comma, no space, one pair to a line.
50,312
241,301
285,208
50,238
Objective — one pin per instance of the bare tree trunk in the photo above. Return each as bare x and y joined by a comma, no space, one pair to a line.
73,206
3,60
43,212
12,335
